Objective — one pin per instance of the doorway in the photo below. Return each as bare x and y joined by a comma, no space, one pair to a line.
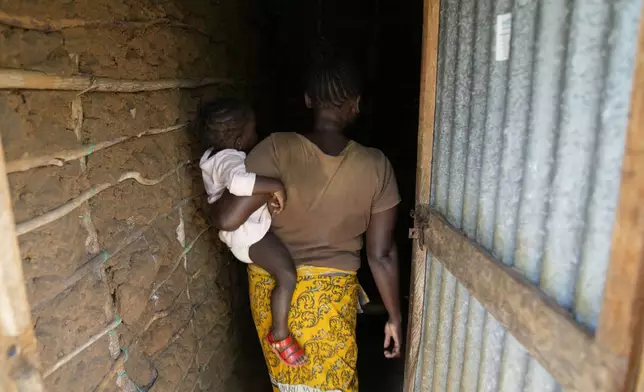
383,38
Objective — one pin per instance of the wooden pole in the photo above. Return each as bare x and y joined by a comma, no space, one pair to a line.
621,320
639,387
15,79
50,25
59,158
429,66
18,356
72,204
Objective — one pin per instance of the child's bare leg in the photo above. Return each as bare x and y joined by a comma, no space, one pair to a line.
272,255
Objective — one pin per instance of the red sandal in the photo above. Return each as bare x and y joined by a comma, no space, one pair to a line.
287,350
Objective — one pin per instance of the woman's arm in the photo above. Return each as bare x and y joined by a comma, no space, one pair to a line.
267,186
382,256
230,212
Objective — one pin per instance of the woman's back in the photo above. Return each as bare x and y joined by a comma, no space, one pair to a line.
330,198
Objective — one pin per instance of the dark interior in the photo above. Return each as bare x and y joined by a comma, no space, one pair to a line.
383,38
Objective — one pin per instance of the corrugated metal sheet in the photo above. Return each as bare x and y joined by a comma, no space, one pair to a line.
527,154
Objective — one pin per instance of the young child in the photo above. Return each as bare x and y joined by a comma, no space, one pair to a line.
227,126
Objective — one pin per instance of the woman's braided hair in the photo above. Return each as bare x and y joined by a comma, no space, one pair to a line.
331,81
222,121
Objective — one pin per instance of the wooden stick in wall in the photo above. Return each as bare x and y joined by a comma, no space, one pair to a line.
621,323
117,366
61,362
15,79
95,262
59,158
548,332
50,25
177,262
423,186
639,386
18,355
71,205
119,363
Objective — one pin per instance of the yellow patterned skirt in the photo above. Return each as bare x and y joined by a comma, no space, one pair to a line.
322,319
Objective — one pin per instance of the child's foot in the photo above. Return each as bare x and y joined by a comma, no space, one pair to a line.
287,350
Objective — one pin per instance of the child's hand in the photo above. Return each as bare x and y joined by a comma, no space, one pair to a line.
276,205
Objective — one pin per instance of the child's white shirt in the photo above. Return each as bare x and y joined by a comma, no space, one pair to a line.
227,170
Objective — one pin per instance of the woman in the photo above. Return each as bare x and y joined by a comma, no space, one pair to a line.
337,191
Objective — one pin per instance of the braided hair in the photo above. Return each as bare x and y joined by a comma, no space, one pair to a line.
221,122
331,81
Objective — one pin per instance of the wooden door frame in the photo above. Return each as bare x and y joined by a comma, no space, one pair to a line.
621,322
18,356
608,360
427,107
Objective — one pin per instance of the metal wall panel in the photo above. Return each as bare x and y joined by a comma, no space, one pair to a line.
526,162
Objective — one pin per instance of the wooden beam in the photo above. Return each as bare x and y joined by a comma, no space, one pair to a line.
15,79
423,185
639,387
621,319
49,25
546,330
18,356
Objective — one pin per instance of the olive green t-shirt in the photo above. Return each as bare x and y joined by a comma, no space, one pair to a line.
330,199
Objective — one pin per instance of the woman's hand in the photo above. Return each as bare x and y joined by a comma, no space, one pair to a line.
393,331
277,203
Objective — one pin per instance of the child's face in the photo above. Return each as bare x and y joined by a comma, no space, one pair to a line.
249,137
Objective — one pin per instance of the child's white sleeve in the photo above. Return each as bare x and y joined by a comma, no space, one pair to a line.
231,170
242,183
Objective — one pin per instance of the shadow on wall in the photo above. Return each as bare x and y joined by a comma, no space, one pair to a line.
132,265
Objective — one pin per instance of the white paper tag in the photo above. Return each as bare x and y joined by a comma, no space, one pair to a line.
503,36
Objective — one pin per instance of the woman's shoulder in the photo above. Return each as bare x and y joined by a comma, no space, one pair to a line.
283,137
280,140
369,154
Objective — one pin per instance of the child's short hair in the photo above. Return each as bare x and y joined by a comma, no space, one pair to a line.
222,121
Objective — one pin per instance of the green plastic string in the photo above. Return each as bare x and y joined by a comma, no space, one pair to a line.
118,320
105,257
124,373
91,149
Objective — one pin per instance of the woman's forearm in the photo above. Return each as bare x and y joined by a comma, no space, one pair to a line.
230,212
385,273
382,255
267,186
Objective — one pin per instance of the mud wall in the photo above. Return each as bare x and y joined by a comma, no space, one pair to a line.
134,265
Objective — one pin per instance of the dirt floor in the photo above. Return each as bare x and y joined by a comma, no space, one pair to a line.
177,312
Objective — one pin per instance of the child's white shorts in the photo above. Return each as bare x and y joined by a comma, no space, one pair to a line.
242,254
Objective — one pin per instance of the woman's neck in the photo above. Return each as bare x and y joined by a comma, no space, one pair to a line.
327,133
330,141
328,122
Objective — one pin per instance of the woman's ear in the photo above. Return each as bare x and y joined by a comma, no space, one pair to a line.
353,105
307,101
239,143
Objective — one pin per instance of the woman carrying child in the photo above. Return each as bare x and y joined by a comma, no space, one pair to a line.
338,190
